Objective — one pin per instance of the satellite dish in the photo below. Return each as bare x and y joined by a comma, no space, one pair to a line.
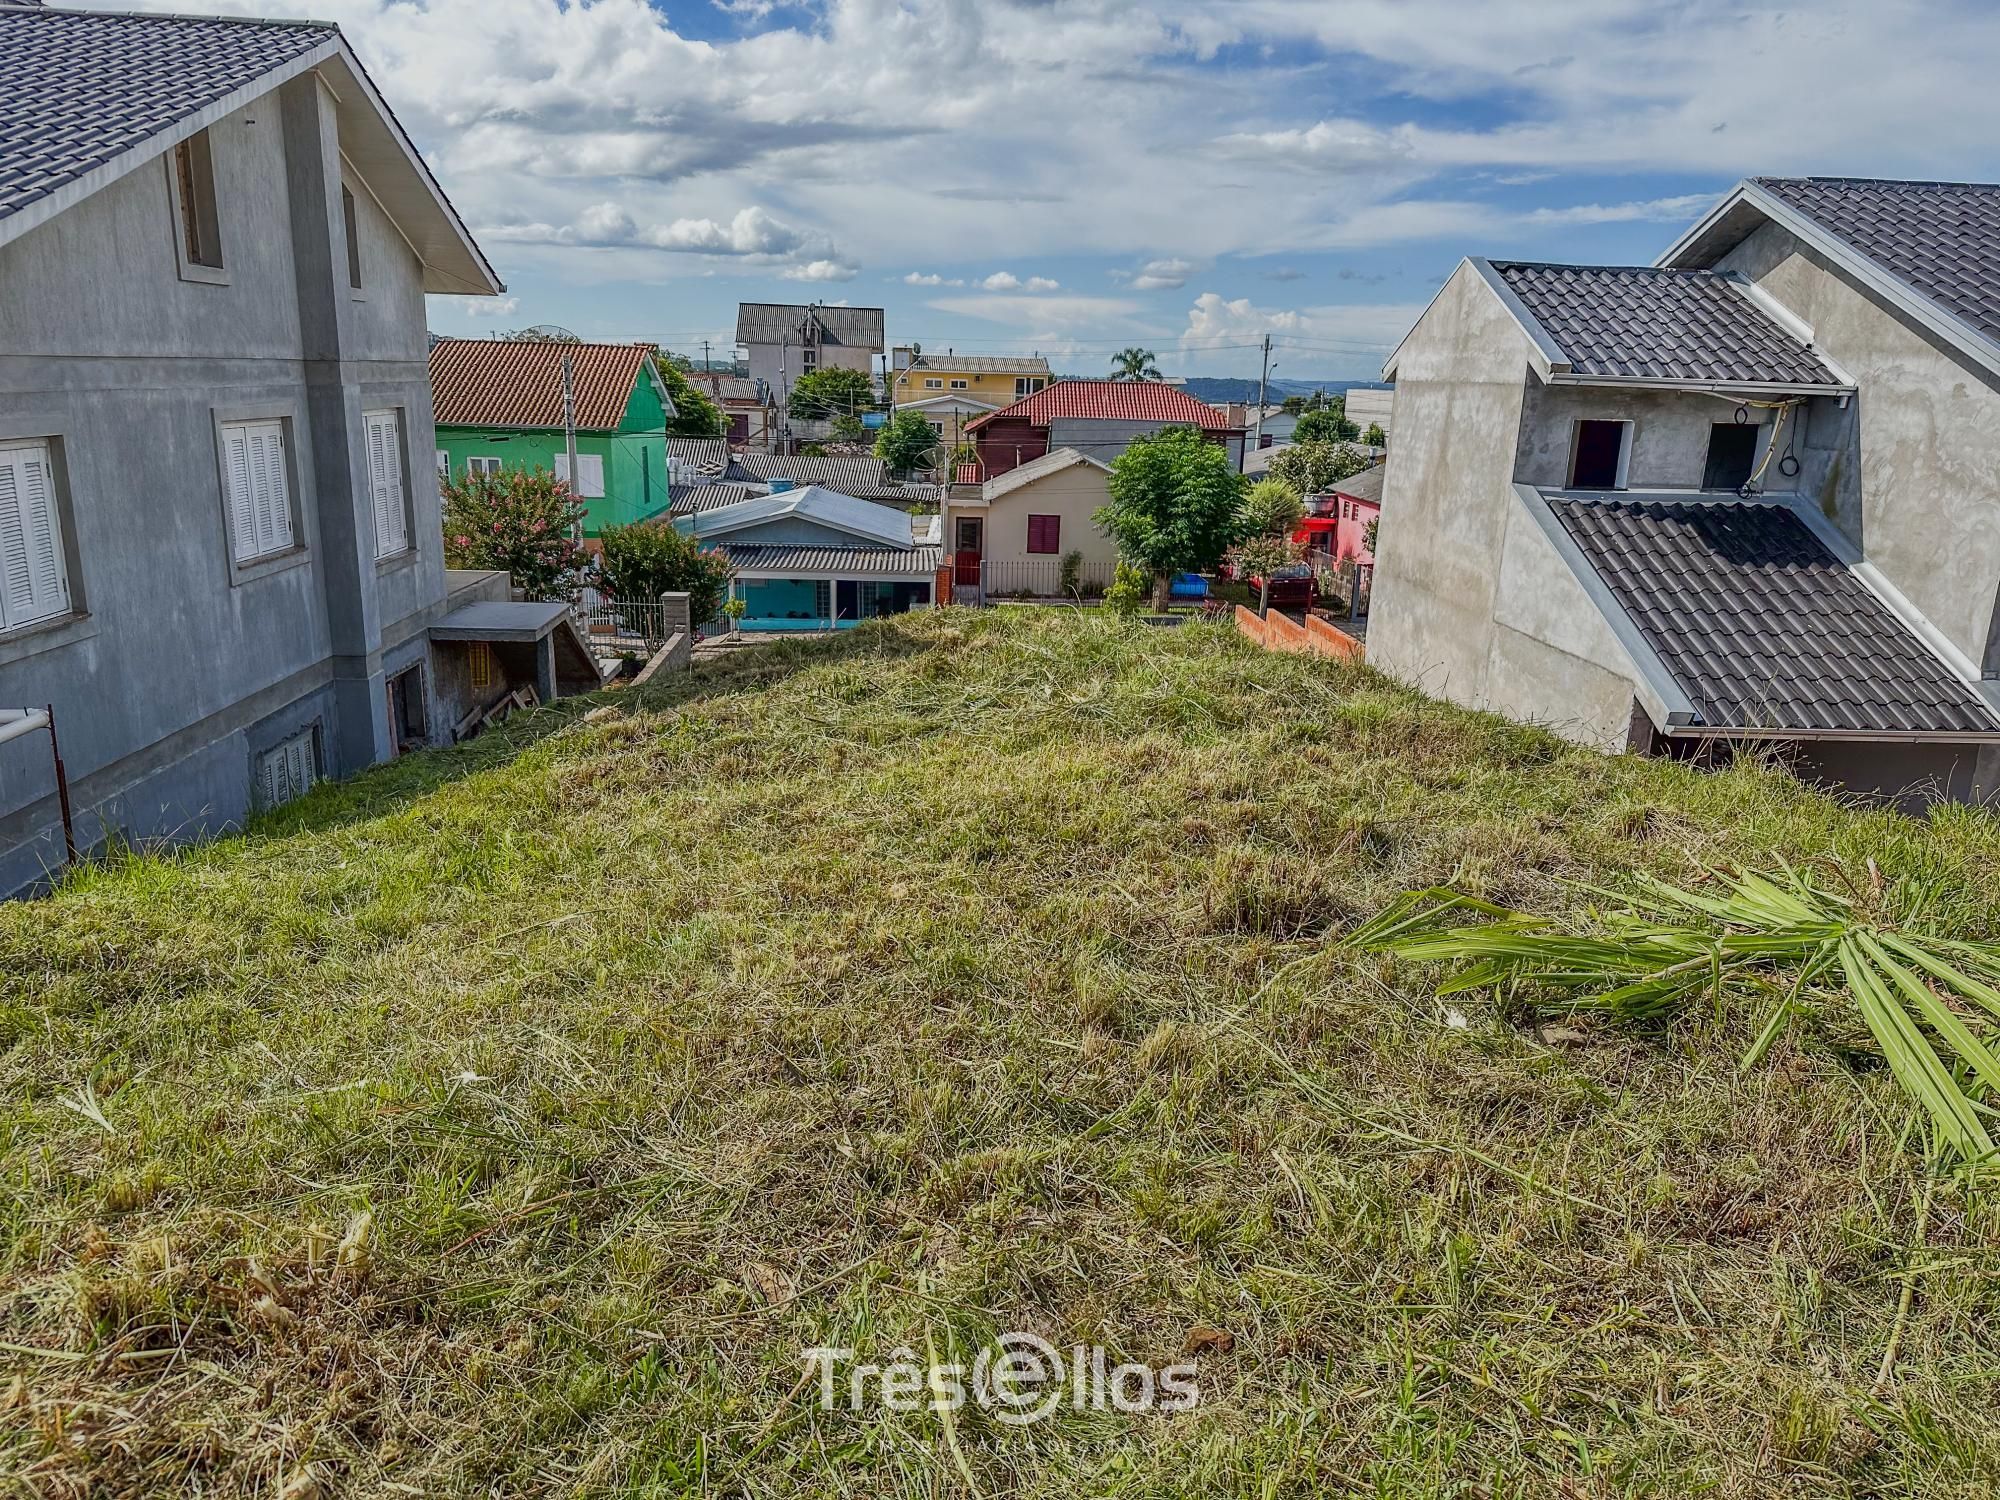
547,333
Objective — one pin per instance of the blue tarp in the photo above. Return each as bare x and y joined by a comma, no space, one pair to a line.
1188,586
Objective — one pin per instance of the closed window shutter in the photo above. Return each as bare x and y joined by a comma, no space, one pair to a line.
1044,533
385,484
242,492
260,505
33,585
589,474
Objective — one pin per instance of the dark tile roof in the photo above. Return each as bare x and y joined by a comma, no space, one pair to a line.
1760,624
693,499
1942,238
1648,323
78,91
856,562
775,322
518,382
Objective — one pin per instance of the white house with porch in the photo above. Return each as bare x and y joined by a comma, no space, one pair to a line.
814,559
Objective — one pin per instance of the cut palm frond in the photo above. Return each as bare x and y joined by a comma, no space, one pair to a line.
1930,1002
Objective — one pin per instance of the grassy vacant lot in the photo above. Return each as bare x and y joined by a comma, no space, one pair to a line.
509,1120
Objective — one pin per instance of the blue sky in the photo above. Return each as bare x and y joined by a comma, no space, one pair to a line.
1071,176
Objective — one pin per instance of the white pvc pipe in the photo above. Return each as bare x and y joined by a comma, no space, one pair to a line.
15,722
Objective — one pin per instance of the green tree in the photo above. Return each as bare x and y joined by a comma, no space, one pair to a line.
1176,505
1314,468
906,443
523,520
643,561
1375,437
848,428
1293,406
1272,508
822,395
1328,424
1260,557
1134,364
696,415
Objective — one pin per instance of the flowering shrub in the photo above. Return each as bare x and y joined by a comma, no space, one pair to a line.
523,520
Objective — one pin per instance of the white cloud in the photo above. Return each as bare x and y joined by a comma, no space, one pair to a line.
820,270
1159,275
1345,339
481,308
1053,314
918,278
1002,281
1042,284
604,121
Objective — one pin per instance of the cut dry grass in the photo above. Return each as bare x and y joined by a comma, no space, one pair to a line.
509,1120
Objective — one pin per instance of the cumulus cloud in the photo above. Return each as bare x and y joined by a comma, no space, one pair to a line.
609,122
820,270
1007,281
1158,275
1351,338
478,308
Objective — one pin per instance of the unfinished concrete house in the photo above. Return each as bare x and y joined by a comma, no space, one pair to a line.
1745,496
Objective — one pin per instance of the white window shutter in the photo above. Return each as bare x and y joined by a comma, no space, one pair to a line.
385,483
33,581
592,465
242,491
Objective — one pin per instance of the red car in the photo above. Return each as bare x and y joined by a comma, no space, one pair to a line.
1293,586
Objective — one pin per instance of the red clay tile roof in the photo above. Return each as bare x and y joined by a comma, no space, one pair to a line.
1111,400
504,383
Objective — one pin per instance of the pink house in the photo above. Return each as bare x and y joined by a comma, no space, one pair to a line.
1337,522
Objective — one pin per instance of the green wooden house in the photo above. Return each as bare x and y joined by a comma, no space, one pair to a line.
500,406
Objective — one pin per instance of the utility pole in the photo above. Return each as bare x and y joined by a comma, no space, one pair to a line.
704,357
1263,387
569,431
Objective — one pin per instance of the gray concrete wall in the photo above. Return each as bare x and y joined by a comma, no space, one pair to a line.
1913,476
1670,433
175,672
1471,600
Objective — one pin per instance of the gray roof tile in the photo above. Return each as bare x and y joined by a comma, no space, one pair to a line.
1760,624
1942,238
1647,323
79,90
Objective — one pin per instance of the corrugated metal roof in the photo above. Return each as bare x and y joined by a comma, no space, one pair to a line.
693,499
983,364
775,322
1760,624
1942,238
846,562
706,456
518,383
1643,322
77,91
1112,401
855,474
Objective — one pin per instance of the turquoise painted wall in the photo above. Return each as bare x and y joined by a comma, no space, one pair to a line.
635,458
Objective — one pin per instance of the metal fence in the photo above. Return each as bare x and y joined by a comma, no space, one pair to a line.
619,627
1040,578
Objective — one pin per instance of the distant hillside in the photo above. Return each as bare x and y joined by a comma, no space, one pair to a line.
1216,388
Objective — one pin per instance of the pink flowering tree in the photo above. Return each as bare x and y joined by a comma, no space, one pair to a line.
523,520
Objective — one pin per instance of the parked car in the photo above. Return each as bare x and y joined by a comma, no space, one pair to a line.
1293,586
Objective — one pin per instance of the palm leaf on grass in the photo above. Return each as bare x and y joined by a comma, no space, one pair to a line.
1930,1002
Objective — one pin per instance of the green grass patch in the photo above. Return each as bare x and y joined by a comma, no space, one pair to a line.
510,1119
